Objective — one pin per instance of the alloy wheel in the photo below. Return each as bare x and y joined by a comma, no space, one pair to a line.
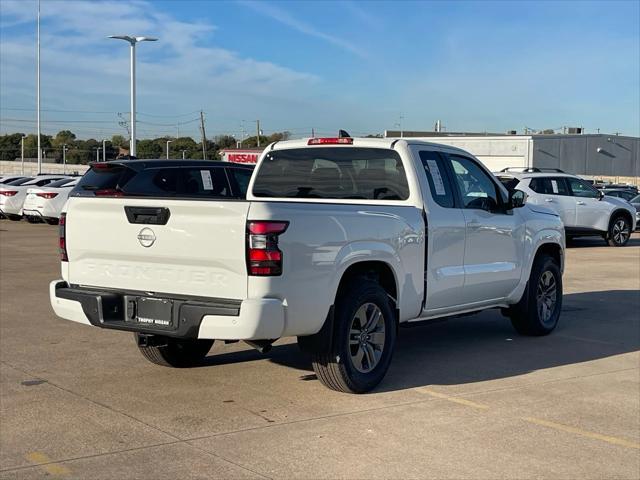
546,296
366,337
620,231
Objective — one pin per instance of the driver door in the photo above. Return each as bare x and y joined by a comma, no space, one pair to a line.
494,245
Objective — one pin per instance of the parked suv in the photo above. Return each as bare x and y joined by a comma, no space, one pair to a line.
338,242
584,210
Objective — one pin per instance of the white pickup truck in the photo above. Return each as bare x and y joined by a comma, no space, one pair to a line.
338,241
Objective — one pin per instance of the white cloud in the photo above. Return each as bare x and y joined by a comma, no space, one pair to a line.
183,71
284,17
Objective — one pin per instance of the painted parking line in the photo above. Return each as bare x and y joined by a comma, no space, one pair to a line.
583,433
458,400
47,465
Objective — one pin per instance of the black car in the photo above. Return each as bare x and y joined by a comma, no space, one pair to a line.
200,179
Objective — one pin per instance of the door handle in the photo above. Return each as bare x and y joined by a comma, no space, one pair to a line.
548,199
581,203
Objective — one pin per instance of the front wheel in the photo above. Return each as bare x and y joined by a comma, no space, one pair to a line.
364,337
174,352
619,232
538,310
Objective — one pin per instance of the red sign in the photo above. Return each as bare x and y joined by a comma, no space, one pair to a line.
242,157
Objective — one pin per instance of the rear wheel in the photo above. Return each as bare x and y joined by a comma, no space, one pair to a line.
538,310
364,336
619,232
174,352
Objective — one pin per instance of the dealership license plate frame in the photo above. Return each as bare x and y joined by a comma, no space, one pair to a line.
155,312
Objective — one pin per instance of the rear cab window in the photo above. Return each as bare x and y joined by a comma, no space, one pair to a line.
332,173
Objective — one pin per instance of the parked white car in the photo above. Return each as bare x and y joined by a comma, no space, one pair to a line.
338,241
45,203
584,210
12,196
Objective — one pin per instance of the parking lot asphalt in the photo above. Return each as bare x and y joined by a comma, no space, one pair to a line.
464,398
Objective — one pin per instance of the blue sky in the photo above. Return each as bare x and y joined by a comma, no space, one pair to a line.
477,66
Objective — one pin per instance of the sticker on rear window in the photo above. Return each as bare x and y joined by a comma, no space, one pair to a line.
207,183
437,178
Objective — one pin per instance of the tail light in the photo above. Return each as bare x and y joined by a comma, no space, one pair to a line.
63,237
264,258
47,195
8,193
330,141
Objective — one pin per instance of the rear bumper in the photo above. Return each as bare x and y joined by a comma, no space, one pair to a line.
219,319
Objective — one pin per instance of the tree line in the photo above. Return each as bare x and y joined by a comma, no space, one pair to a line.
84,151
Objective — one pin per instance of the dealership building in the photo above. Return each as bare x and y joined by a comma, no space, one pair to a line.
609,157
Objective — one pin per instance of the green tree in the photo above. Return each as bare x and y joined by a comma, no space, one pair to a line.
10,147
119,141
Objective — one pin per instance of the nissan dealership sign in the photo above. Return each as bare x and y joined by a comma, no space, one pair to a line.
241,155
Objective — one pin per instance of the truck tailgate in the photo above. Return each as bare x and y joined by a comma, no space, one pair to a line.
199,251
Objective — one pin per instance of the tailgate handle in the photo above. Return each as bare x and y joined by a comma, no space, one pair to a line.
148,215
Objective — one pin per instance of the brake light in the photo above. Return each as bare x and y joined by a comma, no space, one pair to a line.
108,192
8,193
264,258
63,237
330,141
48,195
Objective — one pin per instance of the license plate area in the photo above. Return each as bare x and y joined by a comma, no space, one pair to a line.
152,312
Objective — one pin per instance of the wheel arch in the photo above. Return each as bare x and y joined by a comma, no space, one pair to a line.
376,270
552,249
617,213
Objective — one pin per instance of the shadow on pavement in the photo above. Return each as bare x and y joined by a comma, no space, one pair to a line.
582,242
482,347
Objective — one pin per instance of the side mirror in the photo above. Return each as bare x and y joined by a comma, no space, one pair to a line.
600,194
517,199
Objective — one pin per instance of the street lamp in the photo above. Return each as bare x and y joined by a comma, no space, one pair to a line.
64,158
168,142
183,152
132,42
98,154
22,151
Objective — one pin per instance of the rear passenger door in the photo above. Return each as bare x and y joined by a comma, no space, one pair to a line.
444,257
591,212
553,192
494,244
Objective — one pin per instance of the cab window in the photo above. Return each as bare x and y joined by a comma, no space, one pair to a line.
434,167
549,186
477,189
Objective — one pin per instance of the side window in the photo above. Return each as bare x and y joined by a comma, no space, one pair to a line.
242,177
582,189
477,189
549,186
434,167
206,182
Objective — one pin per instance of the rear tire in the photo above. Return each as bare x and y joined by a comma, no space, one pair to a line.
177,353
538,310
619,232
364,336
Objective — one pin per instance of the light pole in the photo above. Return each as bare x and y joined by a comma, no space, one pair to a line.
98,154
104,150
64,158
168,142
38,91
132,42
22,151
183,152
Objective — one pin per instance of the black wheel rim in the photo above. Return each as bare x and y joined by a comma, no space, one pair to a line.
547,297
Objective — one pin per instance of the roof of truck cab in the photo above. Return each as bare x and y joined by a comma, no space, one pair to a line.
363,142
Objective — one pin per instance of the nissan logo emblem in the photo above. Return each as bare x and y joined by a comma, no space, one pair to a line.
146,237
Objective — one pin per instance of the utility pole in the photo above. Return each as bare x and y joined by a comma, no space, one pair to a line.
64,158
168,142
38,92
204,136
22,151
104,150
258,129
